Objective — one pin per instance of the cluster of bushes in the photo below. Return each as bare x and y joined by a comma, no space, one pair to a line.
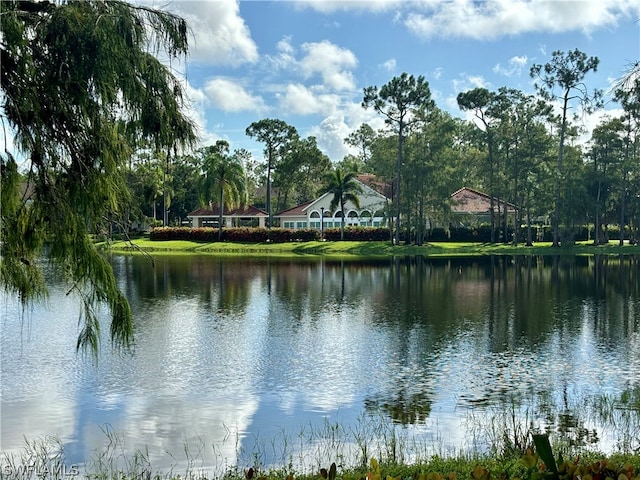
239,234
259,235
360,234
480,233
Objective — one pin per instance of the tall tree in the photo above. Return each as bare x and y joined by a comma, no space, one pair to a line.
430,161
399,101
296,175
362,139
566,72
521,145
146,185
480,101
276,135
80,92
345,188
628,94
606,156
223,179
185,174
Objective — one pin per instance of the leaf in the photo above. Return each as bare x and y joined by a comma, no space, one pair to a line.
543,447
480,473
529,460
332,471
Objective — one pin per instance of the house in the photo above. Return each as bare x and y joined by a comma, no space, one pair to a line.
236,217
318,214
469,206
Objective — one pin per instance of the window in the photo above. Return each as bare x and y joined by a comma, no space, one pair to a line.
300,225
289,224
314,224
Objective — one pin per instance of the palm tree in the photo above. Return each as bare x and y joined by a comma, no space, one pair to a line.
345,188
223,178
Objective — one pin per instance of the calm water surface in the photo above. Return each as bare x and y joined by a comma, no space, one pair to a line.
285,360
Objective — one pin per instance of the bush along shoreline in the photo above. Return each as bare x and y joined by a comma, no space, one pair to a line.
480,234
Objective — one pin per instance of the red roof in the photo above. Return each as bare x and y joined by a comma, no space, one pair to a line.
372,181
468,200
295,211
214,211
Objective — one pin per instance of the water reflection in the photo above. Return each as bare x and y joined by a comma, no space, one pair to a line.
234,354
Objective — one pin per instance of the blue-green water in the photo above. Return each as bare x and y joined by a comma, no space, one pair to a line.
284,361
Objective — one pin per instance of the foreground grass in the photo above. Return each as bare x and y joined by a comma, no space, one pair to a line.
363,249
42,465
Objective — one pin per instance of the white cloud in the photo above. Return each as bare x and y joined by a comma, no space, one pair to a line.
389,65
302,100
514,68
467,82
330,134
336,126
496,18
230,96
331,6
221,36
284,46
331,62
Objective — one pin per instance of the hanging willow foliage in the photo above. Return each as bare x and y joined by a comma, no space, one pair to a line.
82,88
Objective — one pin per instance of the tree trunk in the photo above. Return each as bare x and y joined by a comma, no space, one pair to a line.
220,212
529,232
399,161
556,213
342,220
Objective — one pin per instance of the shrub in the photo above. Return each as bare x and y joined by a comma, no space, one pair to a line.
239,234
360,234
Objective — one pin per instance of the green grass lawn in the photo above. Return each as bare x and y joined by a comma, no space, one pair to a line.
363,249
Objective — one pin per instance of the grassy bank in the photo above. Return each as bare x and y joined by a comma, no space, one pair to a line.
364,249
46,460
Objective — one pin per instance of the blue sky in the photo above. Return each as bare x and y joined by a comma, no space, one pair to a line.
307,62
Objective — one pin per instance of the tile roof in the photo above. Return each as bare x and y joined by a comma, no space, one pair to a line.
213,211
295,211
372,181
468,200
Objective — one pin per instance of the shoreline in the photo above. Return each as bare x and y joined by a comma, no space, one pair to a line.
360,249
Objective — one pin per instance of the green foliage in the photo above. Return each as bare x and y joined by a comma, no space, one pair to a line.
277,136
357,234
80,93
237,235
296,175
403,101
345,188
565,72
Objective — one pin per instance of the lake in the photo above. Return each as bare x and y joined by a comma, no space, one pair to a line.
278,361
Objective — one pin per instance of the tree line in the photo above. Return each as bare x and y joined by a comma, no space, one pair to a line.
522,149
